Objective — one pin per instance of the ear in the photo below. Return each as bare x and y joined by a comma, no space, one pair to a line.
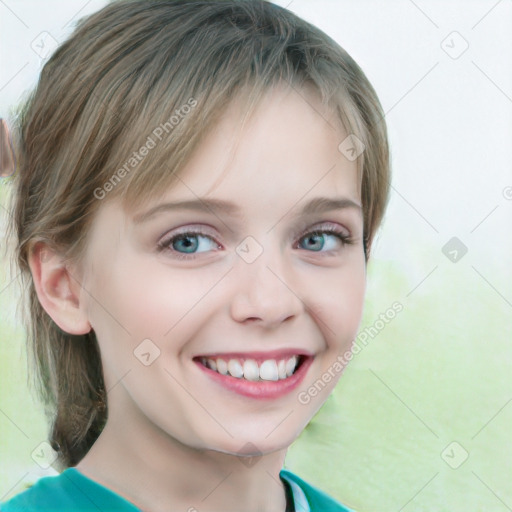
58,289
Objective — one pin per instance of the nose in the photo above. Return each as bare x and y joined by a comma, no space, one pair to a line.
264,293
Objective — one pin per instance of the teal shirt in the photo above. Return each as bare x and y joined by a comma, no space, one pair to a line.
73,491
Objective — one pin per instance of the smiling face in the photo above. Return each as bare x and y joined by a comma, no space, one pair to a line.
252,264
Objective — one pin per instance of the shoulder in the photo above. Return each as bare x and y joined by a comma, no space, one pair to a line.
68,491
52,491
317,500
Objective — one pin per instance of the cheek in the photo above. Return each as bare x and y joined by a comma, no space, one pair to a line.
338,305
148,299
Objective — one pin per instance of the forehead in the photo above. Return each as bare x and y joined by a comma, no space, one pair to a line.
285,151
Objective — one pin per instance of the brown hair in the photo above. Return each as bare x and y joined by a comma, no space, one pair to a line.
7,162
126,71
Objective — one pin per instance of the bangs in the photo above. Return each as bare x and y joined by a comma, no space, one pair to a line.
156,139
150,156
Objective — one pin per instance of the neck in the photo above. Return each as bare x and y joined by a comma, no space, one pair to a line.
157,473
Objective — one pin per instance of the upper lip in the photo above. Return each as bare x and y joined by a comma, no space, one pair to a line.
258,356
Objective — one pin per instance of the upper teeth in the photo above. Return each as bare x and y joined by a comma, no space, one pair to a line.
271,369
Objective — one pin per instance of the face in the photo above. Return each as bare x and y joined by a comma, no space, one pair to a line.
218,305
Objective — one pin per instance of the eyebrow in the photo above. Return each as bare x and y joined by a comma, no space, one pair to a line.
215,206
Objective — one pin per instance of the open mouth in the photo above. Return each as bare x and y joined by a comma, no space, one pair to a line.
252,369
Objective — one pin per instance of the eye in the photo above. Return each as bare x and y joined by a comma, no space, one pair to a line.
322,240
186,245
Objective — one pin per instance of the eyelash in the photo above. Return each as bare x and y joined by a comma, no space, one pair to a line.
165,244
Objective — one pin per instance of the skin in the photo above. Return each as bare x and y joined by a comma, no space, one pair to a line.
174,439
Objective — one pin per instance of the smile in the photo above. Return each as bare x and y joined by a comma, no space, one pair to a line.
257,375
250,369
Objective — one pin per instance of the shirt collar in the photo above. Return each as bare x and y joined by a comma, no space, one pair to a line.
300,501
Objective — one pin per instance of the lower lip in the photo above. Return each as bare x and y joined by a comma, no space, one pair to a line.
260,389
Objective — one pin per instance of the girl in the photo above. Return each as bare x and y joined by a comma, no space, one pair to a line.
198,190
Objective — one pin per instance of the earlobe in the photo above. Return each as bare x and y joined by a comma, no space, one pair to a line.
58,289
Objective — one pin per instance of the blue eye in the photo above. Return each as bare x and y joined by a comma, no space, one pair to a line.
323,240
188,244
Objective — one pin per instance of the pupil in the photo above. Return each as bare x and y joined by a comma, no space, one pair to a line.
315,242
189,244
